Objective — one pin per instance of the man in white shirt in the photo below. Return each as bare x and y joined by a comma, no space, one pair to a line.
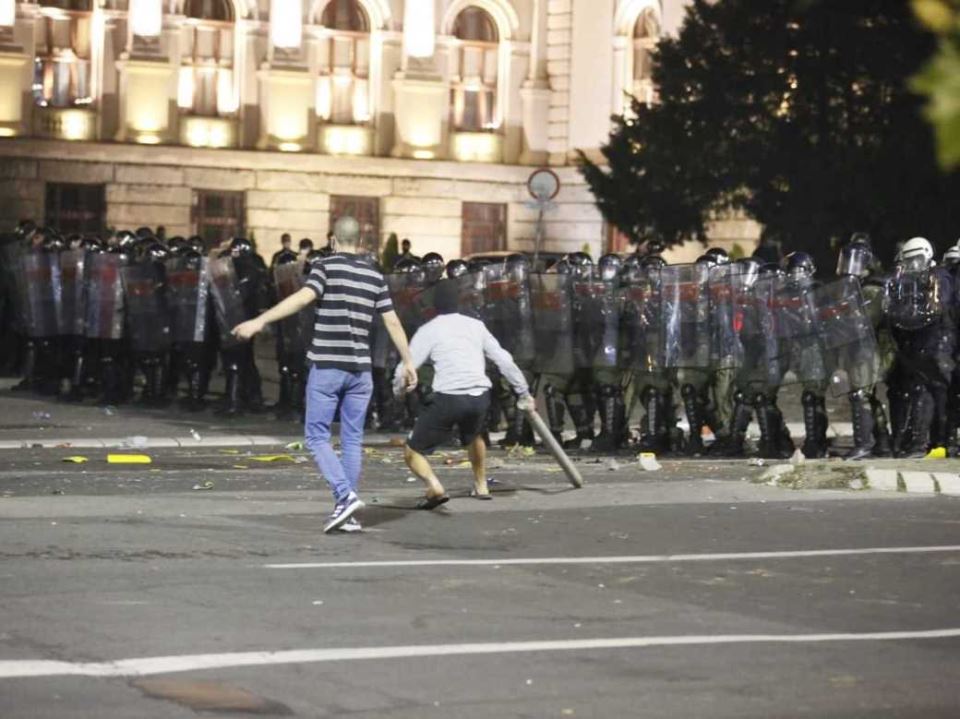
458,347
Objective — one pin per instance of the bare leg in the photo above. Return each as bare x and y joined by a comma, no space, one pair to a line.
477,451
419,465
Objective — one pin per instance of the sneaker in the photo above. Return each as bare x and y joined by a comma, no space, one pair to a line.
342,512
351,525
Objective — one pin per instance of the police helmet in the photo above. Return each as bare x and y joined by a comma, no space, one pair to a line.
855,259
799,265
749,270
916,254
241,246
951,258
433,266
653,262
718,254
457,268
609,266
407,264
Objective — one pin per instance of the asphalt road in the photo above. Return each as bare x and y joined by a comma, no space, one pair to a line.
210,590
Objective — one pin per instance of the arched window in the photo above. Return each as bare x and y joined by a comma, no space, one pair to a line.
343,87
62,63
474,72
646,33
206,85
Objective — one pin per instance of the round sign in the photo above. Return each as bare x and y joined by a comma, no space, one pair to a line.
543,184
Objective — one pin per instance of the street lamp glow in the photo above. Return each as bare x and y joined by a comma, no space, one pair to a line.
146,17
418,26
286,23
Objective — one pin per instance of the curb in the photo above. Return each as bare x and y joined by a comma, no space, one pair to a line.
231,440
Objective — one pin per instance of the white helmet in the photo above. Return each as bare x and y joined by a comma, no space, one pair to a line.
952,256
916,254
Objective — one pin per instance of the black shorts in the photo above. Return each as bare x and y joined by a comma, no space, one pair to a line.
442,413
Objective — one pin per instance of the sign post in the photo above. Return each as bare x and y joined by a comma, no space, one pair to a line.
543,185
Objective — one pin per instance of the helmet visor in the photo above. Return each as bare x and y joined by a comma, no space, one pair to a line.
854,261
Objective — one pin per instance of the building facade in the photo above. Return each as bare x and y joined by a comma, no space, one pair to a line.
423,118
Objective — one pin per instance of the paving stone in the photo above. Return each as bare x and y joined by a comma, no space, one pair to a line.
883,479
949,483
918,482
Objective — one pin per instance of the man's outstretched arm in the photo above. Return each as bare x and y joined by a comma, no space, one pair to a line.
399,338
504,362
289,306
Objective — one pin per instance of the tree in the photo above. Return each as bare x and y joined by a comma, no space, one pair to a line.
798,113
391,251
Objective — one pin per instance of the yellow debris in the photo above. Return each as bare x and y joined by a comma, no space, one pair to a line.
128,459
273,458
76,459
937,453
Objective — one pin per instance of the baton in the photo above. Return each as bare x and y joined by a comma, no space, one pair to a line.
540,427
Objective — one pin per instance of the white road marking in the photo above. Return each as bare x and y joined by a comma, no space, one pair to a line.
628,559
146,666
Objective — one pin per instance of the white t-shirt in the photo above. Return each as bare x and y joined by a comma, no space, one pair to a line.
458,346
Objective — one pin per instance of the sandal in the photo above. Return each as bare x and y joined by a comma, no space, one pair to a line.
433,502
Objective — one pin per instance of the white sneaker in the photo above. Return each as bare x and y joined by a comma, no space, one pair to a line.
342,512
351,525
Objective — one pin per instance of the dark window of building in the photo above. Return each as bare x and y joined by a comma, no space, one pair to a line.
74,208
484,228
345,15
218,216
366,210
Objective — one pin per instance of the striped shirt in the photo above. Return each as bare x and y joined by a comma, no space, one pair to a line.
349,290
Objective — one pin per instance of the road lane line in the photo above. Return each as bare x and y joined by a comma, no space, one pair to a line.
628,559
146,666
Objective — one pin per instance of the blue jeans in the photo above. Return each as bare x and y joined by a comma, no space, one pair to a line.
328,390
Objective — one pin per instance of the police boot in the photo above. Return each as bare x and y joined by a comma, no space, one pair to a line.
622,431
555,409
900,421
734,443
582,423
771,429
47,380
251,386
913,444
75,394
231,394
158,378
653,434
862,417
883,445
193,402
29,368
691,405
110,381
814,433
514,433
283,407
607,440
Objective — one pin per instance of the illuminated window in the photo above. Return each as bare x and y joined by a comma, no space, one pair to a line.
646,33
474,72
206,86
343,88
62,64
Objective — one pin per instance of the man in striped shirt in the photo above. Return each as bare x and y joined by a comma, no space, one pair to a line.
348,290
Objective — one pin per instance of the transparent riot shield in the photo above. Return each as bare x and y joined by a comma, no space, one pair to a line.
915,299
472,288
553,324
726,349
227,302
105,301
509,313
762,362
148,323
405,288
42,293
596,330
847,336
686,316
642,346
73,293
794,310
188,289
296,331
11,252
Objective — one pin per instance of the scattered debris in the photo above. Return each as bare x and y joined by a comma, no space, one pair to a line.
137,441
648,462
240,466
42,415
109,410
272,458
411,479
757,462
295,446
195,434
56,491
937,453
76,459
229,451
798,457
128,459
204,485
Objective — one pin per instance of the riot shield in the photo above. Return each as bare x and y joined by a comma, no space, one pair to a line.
73,297
847,336
553,324
509,313
726,349
472,290
105,303
188,287
762,362
405,288
147,320
596,324
641,335
915,299
685,320
296,330
42,293
794,311
227,302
